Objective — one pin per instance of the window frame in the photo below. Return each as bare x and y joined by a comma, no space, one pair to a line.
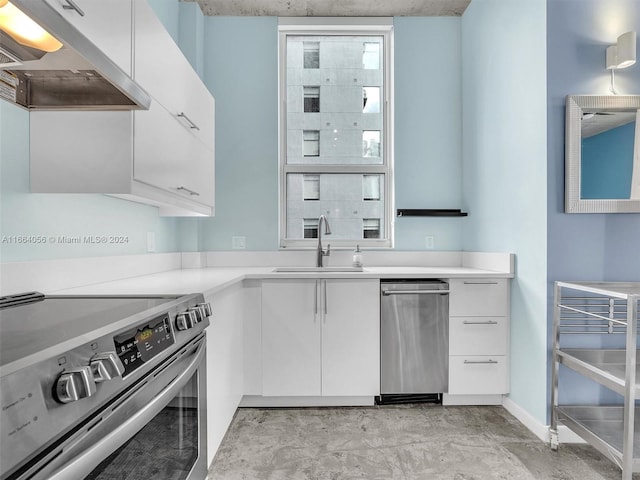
340,26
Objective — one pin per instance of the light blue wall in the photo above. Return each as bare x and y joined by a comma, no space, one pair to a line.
504,169
428,126
50,215
191,35
241,71
585,246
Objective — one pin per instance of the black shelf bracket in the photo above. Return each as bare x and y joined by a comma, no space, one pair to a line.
431,212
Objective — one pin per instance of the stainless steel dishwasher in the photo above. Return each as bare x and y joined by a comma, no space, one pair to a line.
414,341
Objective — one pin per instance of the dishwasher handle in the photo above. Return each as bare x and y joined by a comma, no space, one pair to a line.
414,292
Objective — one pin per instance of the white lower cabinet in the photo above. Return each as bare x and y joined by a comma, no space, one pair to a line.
320,337
478,340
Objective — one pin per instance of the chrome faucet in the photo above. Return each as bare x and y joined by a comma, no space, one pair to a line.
320,251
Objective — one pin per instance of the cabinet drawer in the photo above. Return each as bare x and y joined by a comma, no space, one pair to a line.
478,336
481,297
478,375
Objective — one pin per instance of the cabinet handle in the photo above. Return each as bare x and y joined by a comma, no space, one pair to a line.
414,292
325,300
71,5
190,192
182,115
475,362
480,283
488,322
315,298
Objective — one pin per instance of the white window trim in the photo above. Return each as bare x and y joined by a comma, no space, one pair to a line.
338,26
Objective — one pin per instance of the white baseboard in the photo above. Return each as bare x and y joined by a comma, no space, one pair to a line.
260,401
453,400
565,435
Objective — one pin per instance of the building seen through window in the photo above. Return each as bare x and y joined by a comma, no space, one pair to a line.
334,159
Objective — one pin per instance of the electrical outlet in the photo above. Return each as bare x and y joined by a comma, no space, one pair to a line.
151,241
429,242
238,243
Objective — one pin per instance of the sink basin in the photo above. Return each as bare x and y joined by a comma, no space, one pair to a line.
318,269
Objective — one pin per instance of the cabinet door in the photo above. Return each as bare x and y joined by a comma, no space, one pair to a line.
162,70
166,156
350,337
107,24
290,338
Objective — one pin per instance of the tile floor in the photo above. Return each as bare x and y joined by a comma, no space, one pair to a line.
414,442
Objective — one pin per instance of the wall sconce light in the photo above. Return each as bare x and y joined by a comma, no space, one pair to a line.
24,30
621,55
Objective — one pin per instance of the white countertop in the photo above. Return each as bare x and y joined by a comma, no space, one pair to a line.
214,279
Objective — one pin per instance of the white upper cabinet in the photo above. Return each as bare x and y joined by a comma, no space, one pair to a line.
163,156
107,24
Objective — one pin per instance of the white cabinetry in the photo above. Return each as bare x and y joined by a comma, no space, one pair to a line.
478,337
163,156
320,338
106,24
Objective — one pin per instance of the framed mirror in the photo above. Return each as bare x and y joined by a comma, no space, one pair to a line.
602,154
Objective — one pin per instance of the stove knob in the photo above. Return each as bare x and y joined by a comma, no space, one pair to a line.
106,366
75,384
197,314
206,307
182,321
186,320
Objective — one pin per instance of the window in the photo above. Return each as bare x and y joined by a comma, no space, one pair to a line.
311,99
311,143
370,187
311,52
370,228
311,189
310,228
342,167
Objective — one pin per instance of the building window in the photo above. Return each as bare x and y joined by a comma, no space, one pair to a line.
310,226
371,143
311,189
311,143
311,99
370,187
311,52
347,148
371,56
370,228
371,100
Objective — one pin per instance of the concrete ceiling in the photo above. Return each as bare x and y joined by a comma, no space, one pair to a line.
334,8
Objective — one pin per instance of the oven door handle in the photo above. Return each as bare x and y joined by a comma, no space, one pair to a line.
89,459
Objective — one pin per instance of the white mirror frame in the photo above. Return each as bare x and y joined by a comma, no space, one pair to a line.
575,104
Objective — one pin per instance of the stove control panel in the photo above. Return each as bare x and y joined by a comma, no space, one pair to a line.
137,346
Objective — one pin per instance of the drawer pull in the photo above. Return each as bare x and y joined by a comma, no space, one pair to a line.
480,283
190,192
487,322
414,292
476,362
71,5
191,124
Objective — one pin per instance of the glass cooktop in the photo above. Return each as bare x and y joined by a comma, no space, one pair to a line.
29,328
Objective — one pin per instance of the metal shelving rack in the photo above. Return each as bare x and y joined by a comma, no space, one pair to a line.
607,308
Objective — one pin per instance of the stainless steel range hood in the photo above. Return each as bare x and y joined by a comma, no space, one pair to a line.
79,76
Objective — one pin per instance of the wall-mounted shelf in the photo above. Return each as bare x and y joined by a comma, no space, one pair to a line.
431,212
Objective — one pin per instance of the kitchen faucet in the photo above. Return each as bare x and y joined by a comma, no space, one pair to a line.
320,251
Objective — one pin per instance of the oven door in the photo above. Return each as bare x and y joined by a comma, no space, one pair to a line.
156,430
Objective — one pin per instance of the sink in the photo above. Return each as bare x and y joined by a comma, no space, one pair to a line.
318,269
